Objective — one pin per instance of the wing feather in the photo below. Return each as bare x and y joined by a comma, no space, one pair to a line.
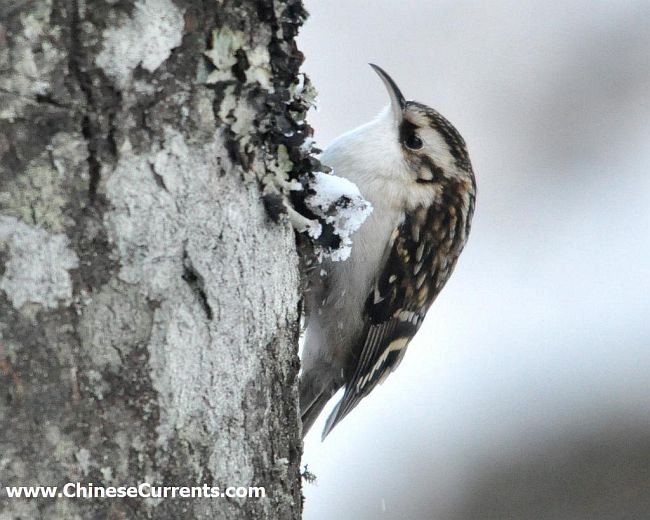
419,259
392,316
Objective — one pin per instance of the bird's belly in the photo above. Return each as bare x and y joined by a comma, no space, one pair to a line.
342,315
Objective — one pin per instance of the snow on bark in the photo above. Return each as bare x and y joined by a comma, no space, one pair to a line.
339,203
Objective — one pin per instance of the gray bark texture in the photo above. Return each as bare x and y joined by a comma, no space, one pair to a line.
149,306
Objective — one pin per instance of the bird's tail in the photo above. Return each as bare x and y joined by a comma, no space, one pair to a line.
315,392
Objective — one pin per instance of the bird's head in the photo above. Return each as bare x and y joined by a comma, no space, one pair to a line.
433,150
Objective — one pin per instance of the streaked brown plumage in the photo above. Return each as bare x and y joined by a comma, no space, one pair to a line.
413,166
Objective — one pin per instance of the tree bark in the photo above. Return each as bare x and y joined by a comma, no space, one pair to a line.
148,305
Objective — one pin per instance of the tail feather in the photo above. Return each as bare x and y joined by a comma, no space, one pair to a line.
347,403
332,420
310,415
314,395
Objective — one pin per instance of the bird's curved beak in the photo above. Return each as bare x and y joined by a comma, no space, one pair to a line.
397,101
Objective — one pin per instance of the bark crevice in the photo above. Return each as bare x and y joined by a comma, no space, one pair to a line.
197,284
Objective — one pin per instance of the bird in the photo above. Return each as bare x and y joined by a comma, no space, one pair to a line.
413,166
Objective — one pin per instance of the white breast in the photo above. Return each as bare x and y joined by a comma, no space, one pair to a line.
370,157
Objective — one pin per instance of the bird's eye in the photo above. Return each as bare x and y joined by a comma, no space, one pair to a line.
413,142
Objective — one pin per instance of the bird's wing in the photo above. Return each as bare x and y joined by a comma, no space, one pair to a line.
395,308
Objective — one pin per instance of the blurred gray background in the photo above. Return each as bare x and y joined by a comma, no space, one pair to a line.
526,393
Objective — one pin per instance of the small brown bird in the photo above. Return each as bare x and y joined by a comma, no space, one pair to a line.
412,165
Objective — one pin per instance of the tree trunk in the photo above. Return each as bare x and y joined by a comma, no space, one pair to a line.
148,306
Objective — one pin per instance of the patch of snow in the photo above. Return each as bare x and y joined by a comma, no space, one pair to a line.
307,145
338,202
